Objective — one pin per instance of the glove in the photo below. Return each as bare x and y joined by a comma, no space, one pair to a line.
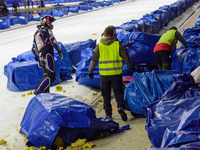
91,75
61,55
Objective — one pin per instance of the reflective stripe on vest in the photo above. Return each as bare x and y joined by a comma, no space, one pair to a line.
110,62
168,38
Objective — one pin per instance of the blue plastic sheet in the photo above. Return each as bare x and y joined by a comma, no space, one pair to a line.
74,9
141,50
49,114
174,120
5,23
146,88
26,75
65,65
83,7
178,59
74,50
82,70
18,20
57,13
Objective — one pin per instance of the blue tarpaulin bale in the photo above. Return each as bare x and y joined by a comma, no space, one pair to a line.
174,122
74,50
108,3
29,17
83,7
178,59
18,20
191,32
142,46
43,13
101,4
183,87
177,111
147,25
5,23
57,13
131,26
191,60
154,23
141,50
166,15
82,70
74,9
26,75
146,88
94,4
36,18
64,10
65,65
46,113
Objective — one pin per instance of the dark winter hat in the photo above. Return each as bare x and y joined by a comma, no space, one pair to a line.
109,31
173,28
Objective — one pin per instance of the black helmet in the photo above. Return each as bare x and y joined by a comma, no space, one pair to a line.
47,21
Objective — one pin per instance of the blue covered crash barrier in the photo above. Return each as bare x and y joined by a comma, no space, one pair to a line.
146,88
178,58
140,51
18,20
49,115
191,59
74,50
174,120
24,74
82,70
5,23
73,9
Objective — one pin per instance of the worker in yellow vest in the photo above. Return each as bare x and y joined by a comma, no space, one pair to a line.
110,54
164,47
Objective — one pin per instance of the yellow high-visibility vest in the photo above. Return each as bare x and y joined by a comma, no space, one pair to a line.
168,38
110,62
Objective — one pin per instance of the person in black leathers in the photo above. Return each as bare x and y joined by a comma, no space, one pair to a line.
43,44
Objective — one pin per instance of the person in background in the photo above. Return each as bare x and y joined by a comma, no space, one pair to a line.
37,2
110,54
32,3
43,44
25,4
164,47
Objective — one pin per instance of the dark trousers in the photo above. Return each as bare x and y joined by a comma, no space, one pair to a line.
115,82
163,59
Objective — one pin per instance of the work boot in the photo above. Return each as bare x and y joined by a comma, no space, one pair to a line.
122,113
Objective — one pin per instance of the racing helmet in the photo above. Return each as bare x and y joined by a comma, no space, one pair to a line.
47,21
